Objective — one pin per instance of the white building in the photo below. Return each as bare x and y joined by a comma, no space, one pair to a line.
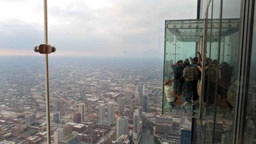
111,112
122,126
58,135
101,113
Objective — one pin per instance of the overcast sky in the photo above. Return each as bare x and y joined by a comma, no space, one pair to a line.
127,28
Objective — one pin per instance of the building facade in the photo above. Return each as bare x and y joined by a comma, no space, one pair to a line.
223,36
101,113
111,112
82,111
121,126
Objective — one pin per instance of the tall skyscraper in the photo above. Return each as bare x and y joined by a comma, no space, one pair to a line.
56,117
145,104
136,124
122,126
59,107
101,113
140,89
137,97
139,94
82,111
144,90
111,112
121,103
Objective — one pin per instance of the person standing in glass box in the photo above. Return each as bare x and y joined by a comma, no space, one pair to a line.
190,75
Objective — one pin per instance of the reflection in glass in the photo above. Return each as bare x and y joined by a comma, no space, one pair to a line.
250,125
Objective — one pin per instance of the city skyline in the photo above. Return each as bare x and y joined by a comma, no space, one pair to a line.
85,98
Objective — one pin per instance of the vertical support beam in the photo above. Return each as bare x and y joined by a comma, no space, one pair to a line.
203,53
47,92
198,9
246,37
217,80
164,67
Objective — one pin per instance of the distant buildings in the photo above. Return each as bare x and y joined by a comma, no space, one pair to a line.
64,135
122,126
30,119
59,107
168,129
124,139
145,104
121,103
111,113
67,130
6,142
136,124
109,120
58,135
56,117
82,111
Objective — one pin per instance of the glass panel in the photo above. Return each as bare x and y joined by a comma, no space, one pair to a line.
221,76
228,73
22,89
250,127
231,8
180,92
204,5
209,87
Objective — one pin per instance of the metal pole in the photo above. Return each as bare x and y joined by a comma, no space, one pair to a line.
175,44
47,75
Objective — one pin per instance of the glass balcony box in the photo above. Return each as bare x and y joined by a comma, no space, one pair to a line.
183,39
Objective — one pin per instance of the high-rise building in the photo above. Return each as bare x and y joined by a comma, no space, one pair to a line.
137,98
121,103
136,124
111,112
59,107
77,118
67,130
122,126
30,119
56,117
139,89
58,135
145,104
144,90
82,111
101,113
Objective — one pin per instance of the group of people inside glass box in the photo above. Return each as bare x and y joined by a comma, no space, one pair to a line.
185,87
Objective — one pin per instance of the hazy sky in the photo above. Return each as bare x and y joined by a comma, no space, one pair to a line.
130,28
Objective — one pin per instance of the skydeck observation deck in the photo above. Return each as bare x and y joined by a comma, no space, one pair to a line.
216,41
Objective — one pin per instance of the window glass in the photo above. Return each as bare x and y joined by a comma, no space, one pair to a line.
22,89
231,8
226,93
249,130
